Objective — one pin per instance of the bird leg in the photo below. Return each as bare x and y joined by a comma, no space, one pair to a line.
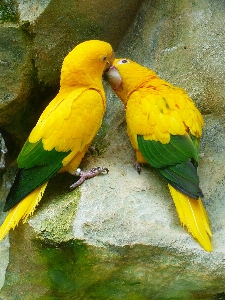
86,175
138,167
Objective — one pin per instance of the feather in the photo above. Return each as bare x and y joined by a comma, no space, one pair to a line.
193,215
42,166
22,210
184,178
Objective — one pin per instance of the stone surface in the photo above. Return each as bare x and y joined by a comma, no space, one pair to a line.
29,11
133,245
15,81
4,245
80,271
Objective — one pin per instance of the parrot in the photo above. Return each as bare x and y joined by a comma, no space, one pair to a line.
164,127
63,132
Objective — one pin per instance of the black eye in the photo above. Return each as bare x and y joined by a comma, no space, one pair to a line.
104,58
123,61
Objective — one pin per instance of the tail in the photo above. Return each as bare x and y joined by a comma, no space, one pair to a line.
193,215
22,210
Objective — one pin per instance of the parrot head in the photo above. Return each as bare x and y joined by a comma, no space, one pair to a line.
85,64
125,76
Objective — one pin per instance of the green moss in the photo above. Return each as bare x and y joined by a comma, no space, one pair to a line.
8,12
56,211
74,270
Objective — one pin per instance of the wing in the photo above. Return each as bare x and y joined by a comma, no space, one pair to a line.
64,129
73,125
36,166
156,112
158,127
173,162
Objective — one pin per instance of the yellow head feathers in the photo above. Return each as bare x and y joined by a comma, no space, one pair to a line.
126,76
84,65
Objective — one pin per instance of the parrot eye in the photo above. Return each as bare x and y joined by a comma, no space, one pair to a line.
104,58
123,61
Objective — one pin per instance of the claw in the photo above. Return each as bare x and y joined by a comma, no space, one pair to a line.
86,175
138,167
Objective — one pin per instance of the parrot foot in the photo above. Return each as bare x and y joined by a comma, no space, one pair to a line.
138,167
86,175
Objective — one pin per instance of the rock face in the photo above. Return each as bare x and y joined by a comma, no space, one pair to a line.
133,245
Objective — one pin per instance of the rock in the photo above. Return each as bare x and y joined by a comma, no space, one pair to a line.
8,12
29,11
80,271
15,81
4,245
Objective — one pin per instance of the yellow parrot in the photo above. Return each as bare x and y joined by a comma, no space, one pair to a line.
164,127
64,131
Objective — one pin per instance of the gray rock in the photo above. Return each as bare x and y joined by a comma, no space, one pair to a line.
29,11
15,81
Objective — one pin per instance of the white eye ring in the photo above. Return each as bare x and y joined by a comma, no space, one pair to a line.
123,61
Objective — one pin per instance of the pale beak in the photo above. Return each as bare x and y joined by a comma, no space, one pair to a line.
112,76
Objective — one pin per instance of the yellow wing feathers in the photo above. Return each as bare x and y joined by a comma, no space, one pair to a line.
73,124
162,114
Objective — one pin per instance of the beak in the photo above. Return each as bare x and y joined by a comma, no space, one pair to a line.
109,62
112,76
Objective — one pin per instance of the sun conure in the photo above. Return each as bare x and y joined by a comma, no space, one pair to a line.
164,127
64,131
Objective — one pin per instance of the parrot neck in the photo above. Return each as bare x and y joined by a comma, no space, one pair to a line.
79,78
125,91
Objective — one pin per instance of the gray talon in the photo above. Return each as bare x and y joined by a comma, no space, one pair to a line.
87,175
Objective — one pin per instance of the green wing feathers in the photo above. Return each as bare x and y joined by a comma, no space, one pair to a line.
36,166
175,161
184,178
178,150
34,154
